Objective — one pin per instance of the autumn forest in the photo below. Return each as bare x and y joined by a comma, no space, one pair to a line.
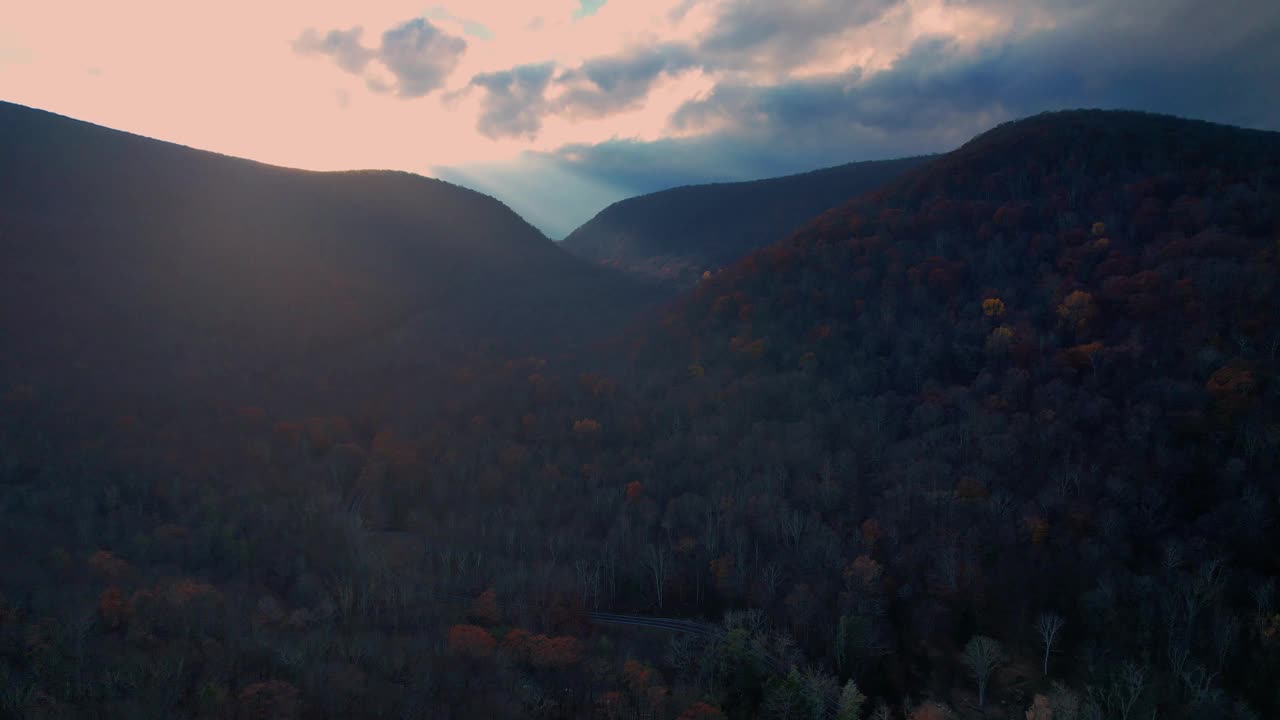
988,434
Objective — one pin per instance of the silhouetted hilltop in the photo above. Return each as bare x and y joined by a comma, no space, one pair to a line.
139,261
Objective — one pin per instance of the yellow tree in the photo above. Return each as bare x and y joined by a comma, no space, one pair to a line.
1077,310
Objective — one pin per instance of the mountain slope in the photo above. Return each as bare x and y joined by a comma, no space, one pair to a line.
1032,384
1040,373
1037,375
138,261
678,233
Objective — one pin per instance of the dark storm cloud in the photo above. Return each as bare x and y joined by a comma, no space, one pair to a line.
1177,58
516,101
1214,62
749,34
513,104
420,56
604,86
416,53
782,35
343,46
637,167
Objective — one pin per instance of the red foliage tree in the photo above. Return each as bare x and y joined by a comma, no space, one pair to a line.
722,571
929,711
611,704
1038,527
271,700
513,457
106,565
518,643
322,433
171,533
112,608
970,489
287,434
395,450
637,675
471,641
186,591
1233,388
8,614
1040,709
864,569
484,609
701,711
1081,356
659,696
557,653
871,532
252,417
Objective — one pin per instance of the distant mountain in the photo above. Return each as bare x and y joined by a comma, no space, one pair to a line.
137,264
677,234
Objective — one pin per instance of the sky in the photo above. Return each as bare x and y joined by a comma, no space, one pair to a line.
560,107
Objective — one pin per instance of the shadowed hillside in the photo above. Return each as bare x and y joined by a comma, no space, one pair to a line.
137,263
1032,381
1034,378
998,440
678,234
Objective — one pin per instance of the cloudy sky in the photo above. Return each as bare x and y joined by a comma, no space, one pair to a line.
559,107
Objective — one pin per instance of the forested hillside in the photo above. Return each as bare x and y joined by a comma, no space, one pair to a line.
678,234
998,440
129,265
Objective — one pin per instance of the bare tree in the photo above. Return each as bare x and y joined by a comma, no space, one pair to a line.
982,654
656,561
1198,682
1120,697
1048,625
771,575
1132,681
947,572
609,568
793,524
1173,557
1201,589
1264,595
589,580
1065,703
1225,630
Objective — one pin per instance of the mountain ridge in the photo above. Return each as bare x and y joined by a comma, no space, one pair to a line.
679,233
162,261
